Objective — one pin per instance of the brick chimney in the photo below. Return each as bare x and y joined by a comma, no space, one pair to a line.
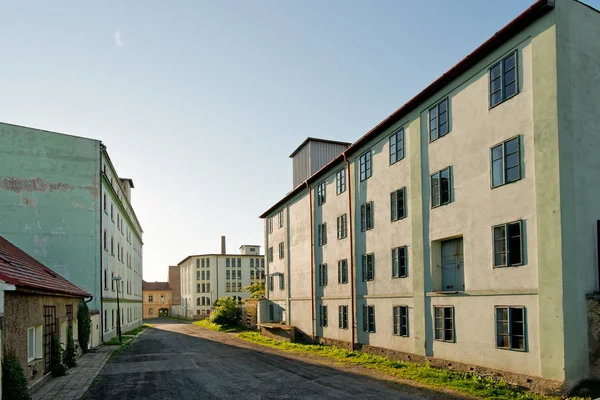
223,245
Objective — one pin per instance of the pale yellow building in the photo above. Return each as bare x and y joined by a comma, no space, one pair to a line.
462,229
157,299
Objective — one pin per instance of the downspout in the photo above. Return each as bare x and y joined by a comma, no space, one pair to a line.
312,261
351,267
102,322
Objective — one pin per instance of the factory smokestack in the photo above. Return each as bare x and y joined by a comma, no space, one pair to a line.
223,245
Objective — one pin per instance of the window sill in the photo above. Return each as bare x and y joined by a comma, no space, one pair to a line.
504,100
400,277
507,266
35,361
509,349
506,183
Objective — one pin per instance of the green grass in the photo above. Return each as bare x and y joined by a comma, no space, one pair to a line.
127,337
205,323
467,383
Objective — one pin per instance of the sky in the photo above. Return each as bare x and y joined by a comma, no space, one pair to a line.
202,102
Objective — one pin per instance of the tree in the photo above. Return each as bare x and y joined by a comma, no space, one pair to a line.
226,312
84,325
14,383
70,358
256,290
56,359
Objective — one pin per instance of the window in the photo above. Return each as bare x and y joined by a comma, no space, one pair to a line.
198,301
270,225
105,320
398,204
281,250
399,265
438,120
401,320
323,316
112,281
397,146
112,214
343,271
150,311
112,246
228,287
369,318
365,166
251,274
239,286
342,226
227,263
340,181
270,254
271,286
105,240
440,188
203,275
506,162
262,262
105,279
510,328
118,221
202,262
208,262
32,343
503,79
368,269
208,288
280,221
343,317
199,288
323,275
104,204
508,244
444,323
239,263
321,194
322,234
208,275
281,284
239,274
252,263
228,274
198,276
366,216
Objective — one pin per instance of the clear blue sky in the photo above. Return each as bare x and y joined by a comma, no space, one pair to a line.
201,102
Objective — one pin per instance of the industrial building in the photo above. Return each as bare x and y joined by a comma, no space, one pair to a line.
462,229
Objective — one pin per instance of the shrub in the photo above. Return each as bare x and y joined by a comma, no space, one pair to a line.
84,326
56,359
70,358
226,312
14,383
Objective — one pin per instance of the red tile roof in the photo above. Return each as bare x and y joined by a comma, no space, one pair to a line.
24,271
155,285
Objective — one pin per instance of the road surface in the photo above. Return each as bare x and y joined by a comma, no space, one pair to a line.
180,361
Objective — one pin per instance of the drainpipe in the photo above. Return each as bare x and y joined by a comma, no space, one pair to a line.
101,253
312,261
351,267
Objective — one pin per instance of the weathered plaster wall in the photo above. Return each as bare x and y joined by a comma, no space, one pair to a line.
50,202
578,55
24,311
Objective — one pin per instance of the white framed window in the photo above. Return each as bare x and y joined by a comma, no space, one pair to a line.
31,344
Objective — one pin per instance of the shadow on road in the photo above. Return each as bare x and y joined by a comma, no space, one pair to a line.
183,361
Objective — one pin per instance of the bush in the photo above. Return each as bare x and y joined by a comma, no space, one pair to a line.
70,358
56,359
14,383
84,326
226,312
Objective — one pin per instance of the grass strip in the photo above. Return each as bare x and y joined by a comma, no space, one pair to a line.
462,382
205,323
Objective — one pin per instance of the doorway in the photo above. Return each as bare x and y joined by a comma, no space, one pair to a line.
453,275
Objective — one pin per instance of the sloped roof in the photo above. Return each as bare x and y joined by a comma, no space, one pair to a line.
155,285
24,271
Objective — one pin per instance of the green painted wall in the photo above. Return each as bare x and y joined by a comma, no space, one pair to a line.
50,202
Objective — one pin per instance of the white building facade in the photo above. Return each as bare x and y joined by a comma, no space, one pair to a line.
122,254
462,227
207,277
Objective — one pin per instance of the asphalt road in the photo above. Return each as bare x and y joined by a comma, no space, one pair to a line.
180,361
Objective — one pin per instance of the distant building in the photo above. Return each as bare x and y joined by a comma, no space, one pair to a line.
462,229
62,201
175,285
207,277
37,303
157,299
